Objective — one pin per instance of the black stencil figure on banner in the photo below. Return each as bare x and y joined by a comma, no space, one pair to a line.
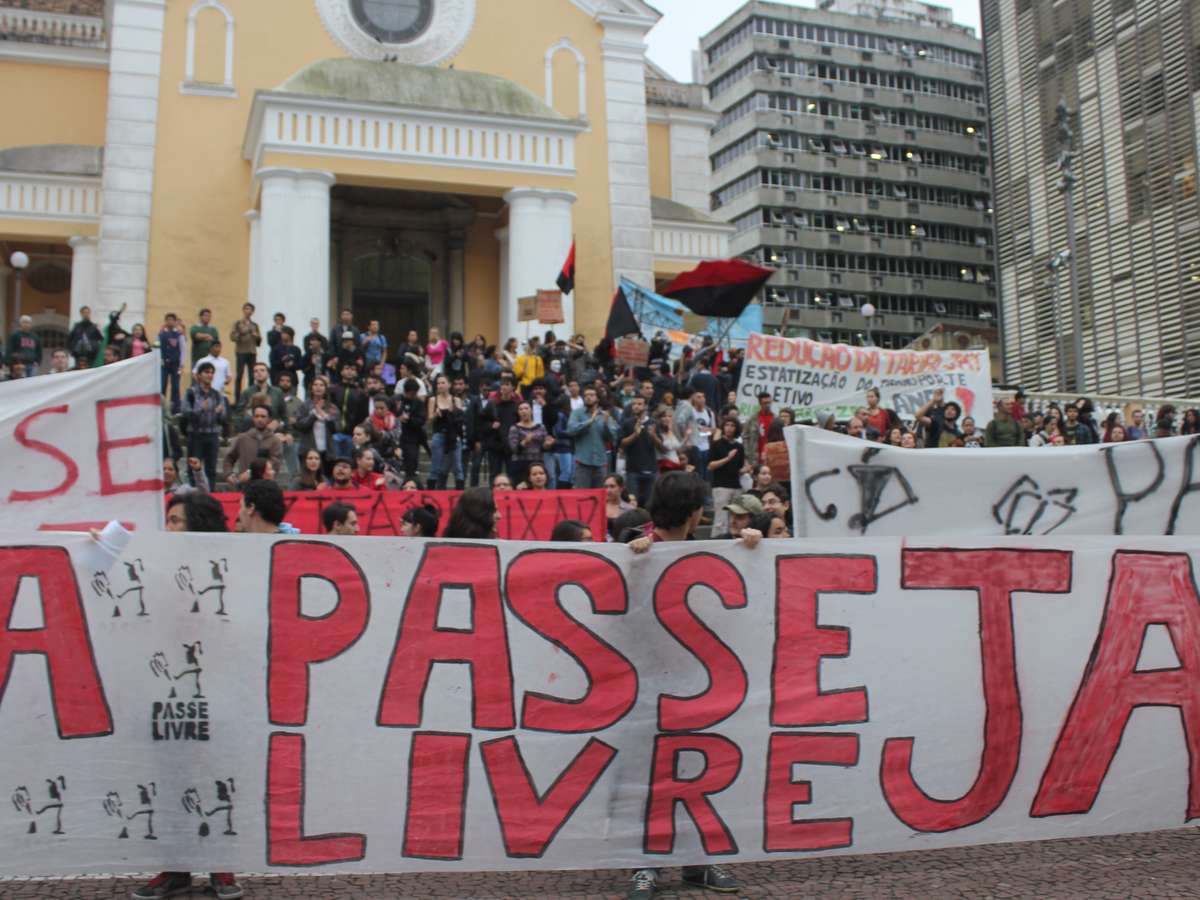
194,805
113,807
219,569
872,481
23,802
192,653
134,570
1024,504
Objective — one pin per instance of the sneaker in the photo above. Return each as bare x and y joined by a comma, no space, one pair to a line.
714,878
223,885
644,881
164,884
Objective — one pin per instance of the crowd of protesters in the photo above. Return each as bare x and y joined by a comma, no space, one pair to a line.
348,411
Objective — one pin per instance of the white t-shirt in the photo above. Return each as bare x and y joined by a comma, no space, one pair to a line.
220,373
702,417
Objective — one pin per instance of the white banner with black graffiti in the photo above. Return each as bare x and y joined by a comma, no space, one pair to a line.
249,703
846,487
82,448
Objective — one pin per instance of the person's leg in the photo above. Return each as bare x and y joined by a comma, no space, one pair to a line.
224,886
713,878
566,470
721,497
164,378
475,465
291,459
550,461
205,447
164,884
643,487
456,457
410,452
239,362
437,469
583,475
175,392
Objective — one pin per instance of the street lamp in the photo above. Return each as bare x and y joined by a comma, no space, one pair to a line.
868,313
20,261
1056,262
1066,187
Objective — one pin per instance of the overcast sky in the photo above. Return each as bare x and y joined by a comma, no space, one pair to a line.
684,21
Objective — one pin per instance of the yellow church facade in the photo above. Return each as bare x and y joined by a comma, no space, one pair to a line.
421,162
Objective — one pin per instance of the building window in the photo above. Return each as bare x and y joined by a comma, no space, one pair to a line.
393,21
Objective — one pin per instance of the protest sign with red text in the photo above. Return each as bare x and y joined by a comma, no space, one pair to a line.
811,377
83,448
524,515
396,705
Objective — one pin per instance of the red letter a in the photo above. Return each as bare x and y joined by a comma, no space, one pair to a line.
421,643
994,575
1146,589
296,641
80,707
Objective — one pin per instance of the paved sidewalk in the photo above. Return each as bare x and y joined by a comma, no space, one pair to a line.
1162,865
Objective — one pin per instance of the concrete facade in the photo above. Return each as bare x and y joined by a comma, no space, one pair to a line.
852,155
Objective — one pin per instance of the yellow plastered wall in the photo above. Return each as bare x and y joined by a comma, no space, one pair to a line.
52,104
199,237
210,46
660,159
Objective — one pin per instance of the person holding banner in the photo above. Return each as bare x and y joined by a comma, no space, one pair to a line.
198,513
676,507
727,461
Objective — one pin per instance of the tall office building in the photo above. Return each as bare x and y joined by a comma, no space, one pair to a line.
1130,73
852,155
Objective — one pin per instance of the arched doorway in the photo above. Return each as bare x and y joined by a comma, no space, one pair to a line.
393,287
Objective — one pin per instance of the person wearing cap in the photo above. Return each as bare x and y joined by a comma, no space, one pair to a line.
349,353
342,476
740,512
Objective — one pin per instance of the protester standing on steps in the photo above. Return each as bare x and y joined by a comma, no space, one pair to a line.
246,339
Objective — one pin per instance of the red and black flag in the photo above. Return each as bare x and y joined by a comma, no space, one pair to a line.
721,289
566,278
621,320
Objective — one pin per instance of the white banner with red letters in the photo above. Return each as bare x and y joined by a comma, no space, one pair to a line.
848,487
811,377
83,448
252,703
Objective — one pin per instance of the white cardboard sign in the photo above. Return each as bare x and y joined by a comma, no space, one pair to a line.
82,448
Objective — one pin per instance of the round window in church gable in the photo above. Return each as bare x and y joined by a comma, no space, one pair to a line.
393,21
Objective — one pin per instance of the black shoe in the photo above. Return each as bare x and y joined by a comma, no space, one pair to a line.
713,878
644,882
165,884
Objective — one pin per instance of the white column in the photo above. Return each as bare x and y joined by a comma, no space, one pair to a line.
5,271
293,245
253,275
504,292
539,238
123,272
624,50
84,272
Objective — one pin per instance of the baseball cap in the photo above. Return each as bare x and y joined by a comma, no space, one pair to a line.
347,460
745,505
